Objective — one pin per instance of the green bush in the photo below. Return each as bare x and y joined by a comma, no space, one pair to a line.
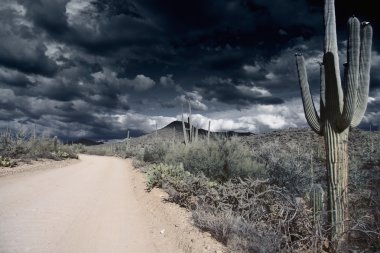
159,174
6,162
20,146
288,166
219,160
155,152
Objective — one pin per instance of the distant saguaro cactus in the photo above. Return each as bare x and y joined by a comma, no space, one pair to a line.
184,130
191,130
191,135
341,107
196,129
55,143
127,142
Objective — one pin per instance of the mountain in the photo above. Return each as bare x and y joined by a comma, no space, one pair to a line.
177,125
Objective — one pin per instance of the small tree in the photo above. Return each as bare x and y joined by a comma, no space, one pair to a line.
340,109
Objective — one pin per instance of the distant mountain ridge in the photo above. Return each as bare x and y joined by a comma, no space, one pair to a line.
87,142
177,125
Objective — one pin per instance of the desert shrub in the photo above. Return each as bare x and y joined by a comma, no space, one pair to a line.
41,148
108,149
66,152
13,145
219,225
155,152
6,162
160,174
236,210
95,150
219,160
364,195
133,152
139,164
115,149
21,146
237,234
197,157
267,207
290,167
78,148
182,186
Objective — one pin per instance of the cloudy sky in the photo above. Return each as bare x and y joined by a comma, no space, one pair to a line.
95,68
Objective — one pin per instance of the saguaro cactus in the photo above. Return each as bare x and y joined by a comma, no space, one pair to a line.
184,130
341,107
55,144
196,129
127,142
190,136
191,131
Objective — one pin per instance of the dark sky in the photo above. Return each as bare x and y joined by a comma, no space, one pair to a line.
95,68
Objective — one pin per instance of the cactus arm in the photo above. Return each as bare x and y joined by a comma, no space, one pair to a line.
184,130
308,104
331,46
351,73
330,28
364,73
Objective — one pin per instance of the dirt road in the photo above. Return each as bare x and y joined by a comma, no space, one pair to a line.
96,205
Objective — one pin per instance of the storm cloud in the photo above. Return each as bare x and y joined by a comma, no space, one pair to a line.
95,68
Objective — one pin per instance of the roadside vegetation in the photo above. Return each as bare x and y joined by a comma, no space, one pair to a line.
20,146
262,195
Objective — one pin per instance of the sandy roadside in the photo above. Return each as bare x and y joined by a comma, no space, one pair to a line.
41,164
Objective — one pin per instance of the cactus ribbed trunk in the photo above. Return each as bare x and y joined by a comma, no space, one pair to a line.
337,169
341,107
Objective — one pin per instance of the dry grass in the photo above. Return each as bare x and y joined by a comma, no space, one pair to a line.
16,146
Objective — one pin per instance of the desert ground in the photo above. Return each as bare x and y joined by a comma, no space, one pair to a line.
96,204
